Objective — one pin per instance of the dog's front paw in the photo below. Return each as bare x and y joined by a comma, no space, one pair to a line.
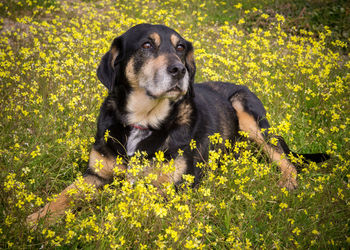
33,219
46,213
288,182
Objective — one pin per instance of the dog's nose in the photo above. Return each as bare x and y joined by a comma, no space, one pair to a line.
177,70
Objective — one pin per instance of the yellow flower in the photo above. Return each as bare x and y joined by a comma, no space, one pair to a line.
106,135
98,165
283,205
119,160
160,156
296,231
238,6
265,16
315,232
193,144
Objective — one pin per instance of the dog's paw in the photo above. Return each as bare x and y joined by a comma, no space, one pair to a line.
290,183
32,219
45,217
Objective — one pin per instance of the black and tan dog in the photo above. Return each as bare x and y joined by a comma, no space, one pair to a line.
153,104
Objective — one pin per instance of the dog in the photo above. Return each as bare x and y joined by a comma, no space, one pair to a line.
153,104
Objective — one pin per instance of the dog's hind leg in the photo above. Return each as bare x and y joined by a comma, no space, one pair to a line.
99,173
251,119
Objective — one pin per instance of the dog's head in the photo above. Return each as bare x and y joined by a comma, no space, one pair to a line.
154,58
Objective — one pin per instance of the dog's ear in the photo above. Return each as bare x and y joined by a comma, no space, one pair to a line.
107,70
190,64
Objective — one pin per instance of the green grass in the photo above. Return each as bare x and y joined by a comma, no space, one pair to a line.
50,99
13,8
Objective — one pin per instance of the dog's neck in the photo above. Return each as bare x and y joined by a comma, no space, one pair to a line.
146,111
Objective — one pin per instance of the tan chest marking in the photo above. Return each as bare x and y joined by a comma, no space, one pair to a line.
146,111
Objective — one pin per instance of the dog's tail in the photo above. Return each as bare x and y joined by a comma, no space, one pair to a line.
307,158
316,157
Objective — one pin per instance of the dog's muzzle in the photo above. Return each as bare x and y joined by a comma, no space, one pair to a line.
177,71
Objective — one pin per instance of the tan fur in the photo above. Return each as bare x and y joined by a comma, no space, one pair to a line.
190,59
57,208
148,70
180,169
108,165
174,39
162,178
146,111
248,124
143,109
153,65
130,74
115,53
156,38
173,177
184,116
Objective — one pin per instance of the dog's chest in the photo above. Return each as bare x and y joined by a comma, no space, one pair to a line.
135,137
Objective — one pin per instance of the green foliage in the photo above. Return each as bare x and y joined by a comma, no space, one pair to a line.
15,8
313,15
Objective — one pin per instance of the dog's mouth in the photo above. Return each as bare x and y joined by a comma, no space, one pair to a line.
175,88
174,92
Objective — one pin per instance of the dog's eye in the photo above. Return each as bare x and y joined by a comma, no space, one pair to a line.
180,48
147,45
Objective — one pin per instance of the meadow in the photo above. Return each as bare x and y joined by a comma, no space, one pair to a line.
50,98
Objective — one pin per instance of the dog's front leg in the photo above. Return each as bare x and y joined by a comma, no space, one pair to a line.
99,173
